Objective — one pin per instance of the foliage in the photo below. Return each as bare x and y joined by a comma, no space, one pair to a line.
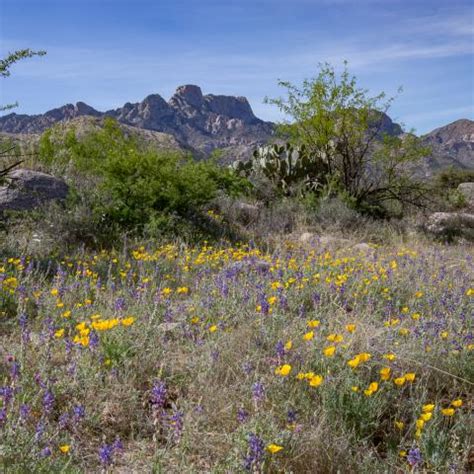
338,121
451,178
137,187
12,58
286,167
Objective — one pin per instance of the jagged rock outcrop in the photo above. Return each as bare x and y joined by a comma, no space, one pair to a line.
199,122
28,189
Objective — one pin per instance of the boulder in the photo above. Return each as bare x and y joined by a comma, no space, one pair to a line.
467,190
451,224
28,189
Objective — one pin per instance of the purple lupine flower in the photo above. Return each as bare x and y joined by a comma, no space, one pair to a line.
48,401
7,394
79,412
255,452
158,396
106,453
258,391
414,457
120,304
176,423
39,431
3,416
291,416
117,445
242,415
280,349
247,367
93,340
45,452
63,420
24,411
15,371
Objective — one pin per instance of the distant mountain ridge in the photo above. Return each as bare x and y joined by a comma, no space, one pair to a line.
203,123
197,121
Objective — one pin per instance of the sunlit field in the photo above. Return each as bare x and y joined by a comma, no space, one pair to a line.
220,359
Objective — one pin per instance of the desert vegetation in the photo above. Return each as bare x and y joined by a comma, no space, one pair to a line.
283,314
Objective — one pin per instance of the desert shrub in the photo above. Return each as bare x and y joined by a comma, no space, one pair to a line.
135,188
451,178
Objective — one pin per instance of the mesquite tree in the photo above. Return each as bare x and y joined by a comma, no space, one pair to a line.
370,158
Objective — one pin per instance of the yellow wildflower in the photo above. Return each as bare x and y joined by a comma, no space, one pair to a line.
448,411
128,321
274,448
329,351
410,377
457,403
65,448
213,328
283,370
385,373
350,328
399,425
288,345
308,336
399,381
314,323
59,333
428,408
426,416
315,381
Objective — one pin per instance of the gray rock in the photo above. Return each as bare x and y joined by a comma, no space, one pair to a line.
467,190
449,224
363,247
166,328
28,189
246,213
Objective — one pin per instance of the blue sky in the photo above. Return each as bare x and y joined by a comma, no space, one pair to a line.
108,52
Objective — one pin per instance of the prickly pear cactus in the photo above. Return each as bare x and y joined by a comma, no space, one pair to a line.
286,166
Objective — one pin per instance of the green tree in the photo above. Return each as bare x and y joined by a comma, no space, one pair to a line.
342,125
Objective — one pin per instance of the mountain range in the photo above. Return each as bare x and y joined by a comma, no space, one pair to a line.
202,123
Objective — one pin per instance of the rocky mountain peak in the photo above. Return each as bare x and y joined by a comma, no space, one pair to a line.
461,130
188,94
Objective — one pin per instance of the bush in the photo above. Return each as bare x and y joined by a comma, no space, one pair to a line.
136,187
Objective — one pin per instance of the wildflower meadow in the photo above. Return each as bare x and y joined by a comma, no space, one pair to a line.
234,359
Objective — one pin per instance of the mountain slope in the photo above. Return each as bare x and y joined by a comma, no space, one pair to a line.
452,145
